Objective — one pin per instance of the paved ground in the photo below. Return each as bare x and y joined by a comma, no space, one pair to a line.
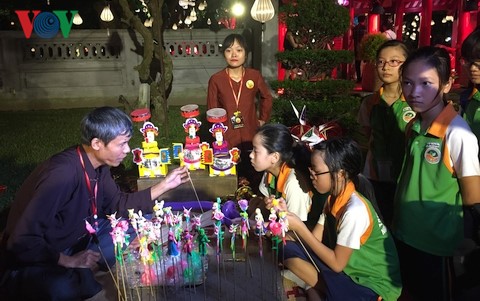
248,277
254,278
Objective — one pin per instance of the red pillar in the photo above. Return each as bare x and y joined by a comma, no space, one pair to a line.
347,37
465,25
373,23
425,24
282,29
348,42
462,32
399,11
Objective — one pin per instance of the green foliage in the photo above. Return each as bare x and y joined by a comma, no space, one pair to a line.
340,108
317,22
298,90
30,137
369,46
315,61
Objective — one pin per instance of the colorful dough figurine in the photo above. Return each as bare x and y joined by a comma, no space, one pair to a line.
192,152
151,161
221,159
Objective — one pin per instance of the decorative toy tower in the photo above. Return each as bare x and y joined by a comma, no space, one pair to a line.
221,160
151,161
192,152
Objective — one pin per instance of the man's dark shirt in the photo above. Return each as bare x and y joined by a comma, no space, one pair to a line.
49,211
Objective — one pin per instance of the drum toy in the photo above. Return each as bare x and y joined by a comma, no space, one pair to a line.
190,111
216,115
140,115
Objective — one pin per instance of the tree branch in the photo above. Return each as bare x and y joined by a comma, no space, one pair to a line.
134,21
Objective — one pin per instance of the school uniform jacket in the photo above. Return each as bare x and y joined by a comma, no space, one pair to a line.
289,187
428,203
387,139
374,261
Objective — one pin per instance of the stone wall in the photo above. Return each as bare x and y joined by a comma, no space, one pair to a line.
94,67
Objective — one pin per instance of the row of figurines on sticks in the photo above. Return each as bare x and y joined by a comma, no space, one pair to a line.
220,159
172,248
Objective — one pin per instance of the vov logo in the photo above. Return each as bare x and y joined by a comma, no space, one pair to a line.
45,24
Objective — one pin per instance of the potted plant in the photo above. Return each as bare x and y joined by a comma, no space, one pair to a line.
368,48
315,31
316,24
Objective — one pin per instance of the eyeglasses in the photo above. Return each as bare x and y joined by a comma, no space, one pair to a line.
391,63
468,64
318,173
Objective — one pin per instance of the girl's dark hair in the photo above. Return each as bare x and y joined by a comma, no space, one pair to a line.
341,154
471,46
231,38
434,57
276,137
394,43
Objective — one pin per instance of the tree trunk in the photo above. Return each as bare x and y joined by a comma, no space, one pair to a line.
159,87
153,53
144,96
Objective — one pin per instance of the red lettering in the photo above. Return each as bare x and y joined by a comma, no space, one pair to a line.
27,24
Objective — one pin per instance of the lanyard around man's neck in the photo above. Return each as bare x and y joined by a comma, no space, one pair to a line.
92,192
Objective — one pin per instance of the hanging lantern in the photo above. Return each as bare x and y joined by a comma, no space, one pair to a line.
193,15
262,10
106,14
174,27
77,20
202,5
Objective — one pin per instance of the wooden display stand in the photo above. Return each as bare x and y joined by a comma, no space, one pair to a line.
208,188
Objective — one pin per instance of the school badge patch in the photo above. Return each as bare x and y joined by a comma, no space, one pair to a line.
408,114
433,153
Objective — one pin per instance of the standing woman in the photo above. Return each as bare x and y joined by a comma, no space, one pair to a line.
235,89
440,173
